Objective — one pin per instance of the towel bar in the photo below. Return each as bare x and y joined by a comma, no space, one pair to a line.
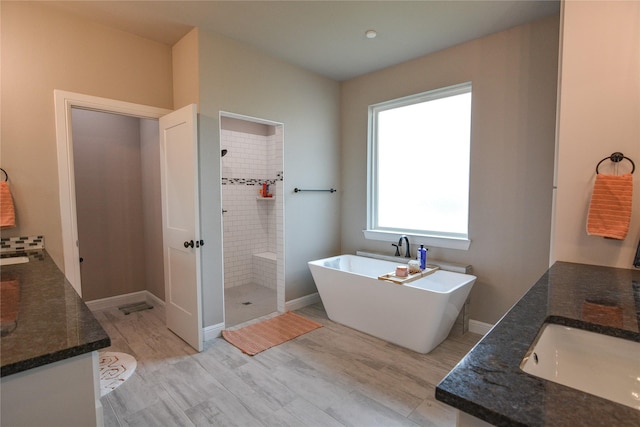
297,190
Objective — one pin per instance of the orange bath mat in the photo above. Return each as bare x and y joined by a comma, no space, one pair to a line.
260,336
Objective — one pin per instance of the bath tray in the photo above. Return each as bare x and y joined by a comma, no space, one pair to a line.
391,277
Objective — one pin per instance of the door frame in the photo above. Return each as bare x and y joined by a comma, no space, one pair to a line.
64,102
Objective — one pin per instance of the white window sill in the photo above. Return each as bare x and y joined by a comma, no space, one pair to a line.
428,241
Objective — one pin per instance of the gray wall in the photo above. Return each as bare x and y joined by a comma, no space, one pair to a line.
514,75
152,207
238,79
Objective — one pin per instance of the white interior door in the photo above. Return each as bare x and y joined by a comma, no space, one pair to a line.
181,224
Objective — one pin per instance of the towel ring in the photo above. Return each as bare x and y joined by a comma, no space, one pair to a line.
6,175
617,157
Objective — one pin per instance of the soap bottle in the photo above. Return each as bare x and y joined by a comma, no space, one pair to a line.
422,252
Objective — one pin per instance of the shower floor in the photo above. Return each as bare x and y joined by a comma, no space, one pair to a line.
247,302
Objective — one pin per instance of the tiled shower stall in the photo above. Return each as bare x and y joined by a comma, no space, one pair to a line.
253,224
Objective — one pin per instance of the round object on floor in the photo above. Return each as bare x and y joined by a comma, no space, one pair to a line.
115,369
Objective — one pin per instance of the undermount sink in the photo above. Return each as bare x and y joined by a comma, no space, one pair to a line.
597,364
14,260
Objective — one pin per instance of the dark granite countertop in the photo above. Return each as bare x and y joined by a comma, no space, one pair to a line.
488,382
52,324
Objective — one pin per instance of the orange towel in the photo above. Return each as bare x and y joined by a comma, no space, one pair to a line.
610,207
7,211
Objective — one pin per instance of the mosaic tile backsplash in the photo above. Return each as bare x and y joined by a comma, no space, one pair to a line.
249,181
17,244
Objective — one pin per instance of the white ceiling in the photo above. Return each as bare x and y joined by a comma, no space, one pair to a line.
327,37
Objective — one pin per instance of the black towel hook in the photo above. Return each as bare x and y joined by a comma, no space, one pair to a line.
6,175
617,157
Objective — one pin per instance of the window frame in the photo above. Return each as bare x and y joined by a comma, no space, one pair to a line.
373,232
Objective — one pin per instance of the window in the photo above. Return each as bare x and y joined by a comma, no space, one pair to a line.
419,150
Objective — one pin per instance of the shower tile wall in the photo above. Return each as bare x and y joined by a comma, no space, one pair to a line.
249,223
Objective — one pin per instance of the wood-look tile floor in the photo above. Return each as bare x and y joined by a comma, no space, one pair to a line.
332,376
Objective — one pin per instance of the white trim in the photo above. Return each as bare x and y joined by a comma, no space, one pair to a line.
429,241
250,118
431,95
118,300
280,258
478,327
154,300
213,331
450,240
301,302
63,102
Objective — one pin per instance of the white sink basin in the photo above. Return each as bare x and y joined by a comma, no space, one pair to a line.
597,364
14,260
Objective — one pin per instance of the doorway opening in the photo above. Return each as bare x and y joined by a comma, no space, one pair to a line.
119,214
253,217
65,104
177,134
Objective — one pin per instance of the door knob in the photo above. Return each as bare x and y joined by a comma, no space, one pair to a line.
188,244
199,243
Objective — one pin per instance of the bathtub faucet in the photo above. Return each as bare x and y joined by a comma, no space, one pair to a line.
407,253
397,250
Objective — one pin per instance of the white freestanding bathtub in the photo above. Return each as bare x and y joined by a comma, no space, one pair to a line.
416,315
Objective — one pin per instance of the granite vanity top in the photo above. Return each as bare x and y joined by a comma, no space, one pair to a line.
43,318
488,382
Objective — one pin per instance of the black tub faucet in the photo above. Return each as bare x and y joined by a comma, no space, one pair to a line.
397,250
399,245
407,253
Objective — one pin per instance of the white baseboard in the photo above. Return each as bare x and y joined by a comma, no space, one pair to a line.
301,302
118,300
213,331
478,327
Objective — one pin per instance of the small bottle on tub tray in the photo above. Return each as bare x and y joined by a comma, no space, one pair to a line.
422,257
